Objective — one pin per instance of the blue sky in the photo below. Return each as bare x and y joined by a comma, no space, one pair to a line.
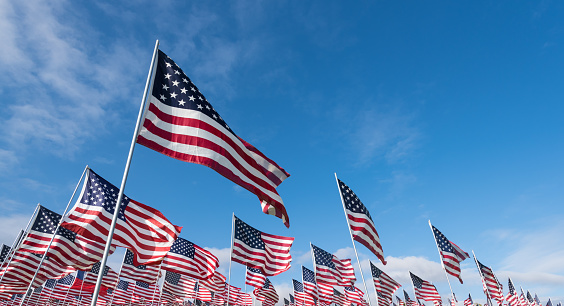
448,111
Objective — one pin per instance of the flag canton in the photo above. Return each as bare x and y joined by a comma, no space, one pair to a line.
336,293
173,88
266,283
308,275
254,270
375,271
417,282
46,221
67,280
352,202
172,278
537,299
142,284
286,302
529,297
299,287
99,192
442,241
50,283
323,258
248,235
406,296
128,260
511,287
96,268
183,247
292,299
123,285
4,253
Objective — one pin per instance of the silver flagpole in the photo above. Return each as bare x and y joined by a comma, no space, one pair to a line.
230,256
483,282
125,173
54,234
354,247
442,261
102,271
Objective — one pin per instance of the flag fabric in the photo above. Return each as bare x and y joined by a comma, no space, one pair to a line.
4,253
142,273
202,294
549,303
339,298
215,283
140,228
231,294
512,296
123,292
332,270
325,291
493,287
537,300
109,277
182,124
468,301
451,254
253,248
254,277
178,284
267,291
301,297
400,302
144,291
523,299
310,286
360,222
23,267
245,299
409,301
383,282
354,295
189,259
62,287
425,290
292,300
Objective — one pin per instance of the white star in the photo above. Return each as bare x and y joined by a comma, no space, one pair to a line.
181,102
163,97
192,88
208,107
173,95
175,83
176,72
191,98
165,87
167,76
200,106
168,64
184,80
184,90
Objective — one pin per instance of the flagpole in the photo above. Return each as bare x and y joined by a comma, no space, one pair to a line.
354,247
442,261
156,284
483,281
125,173
230,256
81,285
54,233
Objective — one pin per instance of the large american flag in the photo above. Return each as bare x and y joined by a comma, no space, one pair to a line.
142,273
383,282
332,270
267,291
361,224
424,290
216,283
451,254
189,259
492,287
310,286
182,124
109,276
254,277
68,248
140,228
266,252
512,296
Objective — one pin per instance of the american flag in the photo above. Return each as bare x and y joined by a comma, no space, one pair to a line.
493,287
310,286
182,124
383,282
178,284
4,253
512,296
332,270
523,299
468,301
254,277
267,291
325,292
62,287
216,283
286,302
409,301
140,228
400,302
231,294
361,224
109,276
383,300
217,299
142,273
202,294
301,297
244,299
144,291
68,248
537,300
452,302
451,254
23,267
354,295
124,291
549,303
191,260
266,252
339,298
424,290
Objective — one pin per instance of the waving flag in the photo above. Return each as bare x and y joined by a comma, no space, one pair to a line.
451,254
140,228
425,290
231,294
512,296
124,291
178,284
202,294
144,291
339,298
254,277
4,253
310,286
354,295
142,273
383,282
109,276
267,291
216,283
409,301
491,286
182,124
191,260
332,270
468,301
400,302
68,248
360,222
253,248
23,267
301,297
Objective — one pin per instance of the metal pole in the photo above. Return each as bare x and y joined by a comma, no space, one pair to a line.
125,173
156,284
230,256
354,247
442,261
